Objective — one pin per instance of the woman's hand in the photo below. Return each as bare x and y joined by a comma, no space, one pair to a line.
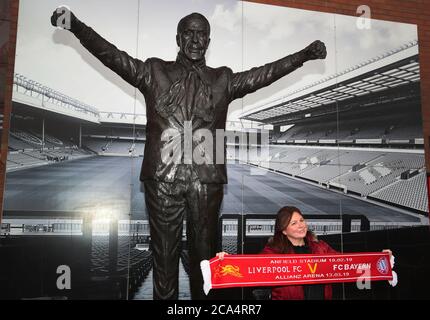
221,255
388,251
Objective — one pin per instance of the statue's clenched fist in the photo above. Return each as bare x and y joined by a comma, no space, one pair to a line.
62,17
316,50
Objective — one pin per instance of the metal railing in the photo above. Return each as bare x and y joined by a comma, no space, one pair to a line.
35,89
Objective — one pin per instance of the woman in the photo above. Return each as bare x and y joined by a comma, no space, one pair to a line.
293,237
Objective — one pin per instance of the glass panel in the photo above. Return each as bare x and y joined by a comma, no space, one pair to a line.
158,23
338,147
284,168
68,183
383,180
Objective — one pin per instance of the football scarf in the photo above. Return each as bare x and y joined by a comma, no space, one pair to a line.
289,269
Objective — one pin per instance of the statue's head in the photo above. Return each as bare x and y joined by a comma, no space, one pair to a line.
193,36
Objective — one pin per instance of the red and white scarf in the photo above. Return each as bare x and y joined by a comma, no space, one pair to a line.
287,269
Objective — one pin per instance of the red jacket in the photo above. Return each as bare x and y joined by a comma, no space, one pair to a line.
296,292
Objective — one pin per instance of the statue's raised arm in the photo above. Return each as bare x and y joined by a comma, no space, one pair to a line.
130,69
256,78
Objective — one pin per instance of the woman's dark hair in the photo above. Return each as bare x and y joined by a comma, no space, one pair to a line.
280,241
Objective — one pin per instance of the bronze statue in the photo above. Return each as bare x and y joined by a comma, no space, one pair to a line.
182,94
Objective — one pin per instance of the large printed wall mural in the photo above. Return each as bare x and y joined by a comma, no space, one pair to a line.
339,138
